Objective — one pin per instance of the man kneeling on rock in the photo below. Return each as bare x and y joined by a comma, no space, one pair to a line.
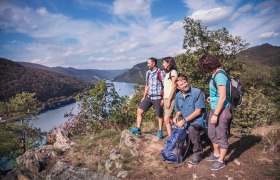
190,103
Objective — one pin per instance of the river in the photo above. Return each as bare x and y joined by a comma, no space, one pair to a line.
53,118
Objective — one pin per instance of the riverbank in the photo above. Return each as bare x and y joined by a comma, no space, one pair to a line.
56,103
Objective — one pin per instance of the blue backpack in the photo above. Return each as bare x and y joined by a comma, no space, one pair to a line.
173,151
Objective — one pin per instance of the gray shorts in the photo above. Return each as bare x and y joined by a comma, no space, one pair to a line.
147,103
218,133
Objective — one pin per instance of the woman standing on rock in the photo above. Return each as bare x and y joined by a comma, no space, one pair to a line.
220,114
169,90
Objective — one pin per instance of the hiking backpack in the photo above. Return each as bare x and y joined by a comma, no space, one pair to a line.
173,150
235,89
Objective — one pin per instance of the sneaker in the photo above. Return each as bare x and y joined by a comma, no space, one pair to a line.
160,134
212,158
217,166
136,131
196,158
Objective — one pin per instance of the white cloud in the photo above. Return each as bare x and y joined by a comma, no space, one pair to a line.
212,16
136,8
201,5
269,34
58,40
245,8
42,11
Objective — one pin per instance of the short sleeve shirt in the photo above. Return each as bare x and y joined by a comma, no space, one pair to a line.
167,82
221,80
155,86
195,99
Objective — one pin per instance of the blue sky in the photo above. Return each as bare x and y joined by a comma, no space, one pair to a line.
117,34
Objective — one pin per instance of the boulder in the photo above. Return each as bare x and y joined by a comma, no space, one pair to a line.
37,160
63,170
130,141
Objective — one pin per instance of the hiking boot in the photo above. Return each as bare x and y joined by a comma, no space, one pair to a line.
212,158
196,158
160,134
135,131
217,166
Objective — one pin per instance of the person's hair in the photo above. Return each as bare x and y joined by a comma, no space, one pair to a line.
171,62
208,63
181,77
154,60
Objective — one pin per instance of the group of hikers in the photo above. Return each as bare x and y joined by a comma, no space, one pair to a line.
168,91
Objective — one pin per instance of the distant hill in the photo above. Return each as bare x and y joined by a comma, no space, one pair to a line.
263,55
88,75
15,78
136,74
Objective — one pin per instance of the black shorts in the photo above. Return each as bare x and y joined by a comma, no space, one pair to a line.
147,103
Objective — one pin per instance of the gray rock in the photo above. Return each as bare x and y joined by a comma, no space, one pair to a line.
63,170
62,141
118,165
115,155
122,174
37,160
110,165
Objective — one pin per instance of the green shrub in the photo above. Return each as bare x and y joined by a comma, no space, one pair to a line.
256,110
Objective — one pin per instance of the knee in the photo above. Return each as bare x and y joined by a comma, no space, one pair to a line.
193,132
139,112
167,120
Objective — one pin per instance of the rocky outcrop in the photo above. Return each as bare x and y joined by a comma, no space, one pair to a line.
62,140
37,160
63,170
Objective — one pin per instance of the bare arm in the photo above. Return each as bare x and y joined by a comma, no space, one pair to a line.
191,117
173,89
220,105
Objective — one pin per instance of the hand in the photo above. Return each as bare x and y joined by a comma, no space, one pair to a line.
168,103
175,120
214,119
142,98
180,124
208,100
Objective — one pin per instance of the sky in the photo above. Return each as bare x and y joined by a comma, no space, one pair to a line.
118,34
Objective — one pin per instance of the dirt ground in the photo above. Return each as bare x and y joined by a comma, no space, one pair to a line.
245,160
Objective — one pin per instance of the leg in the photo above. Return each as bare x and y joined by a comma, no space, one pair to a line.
168,115
167,121
222,138
222,133
143,106
194,135
159,113
160,123
139,117
195,138
213,138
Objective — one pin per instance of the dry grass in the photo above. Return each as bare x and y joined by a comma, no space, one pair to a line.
93,150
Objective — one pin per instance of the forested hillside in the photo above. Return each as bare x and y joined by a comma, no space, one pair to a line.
87,75
15,78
